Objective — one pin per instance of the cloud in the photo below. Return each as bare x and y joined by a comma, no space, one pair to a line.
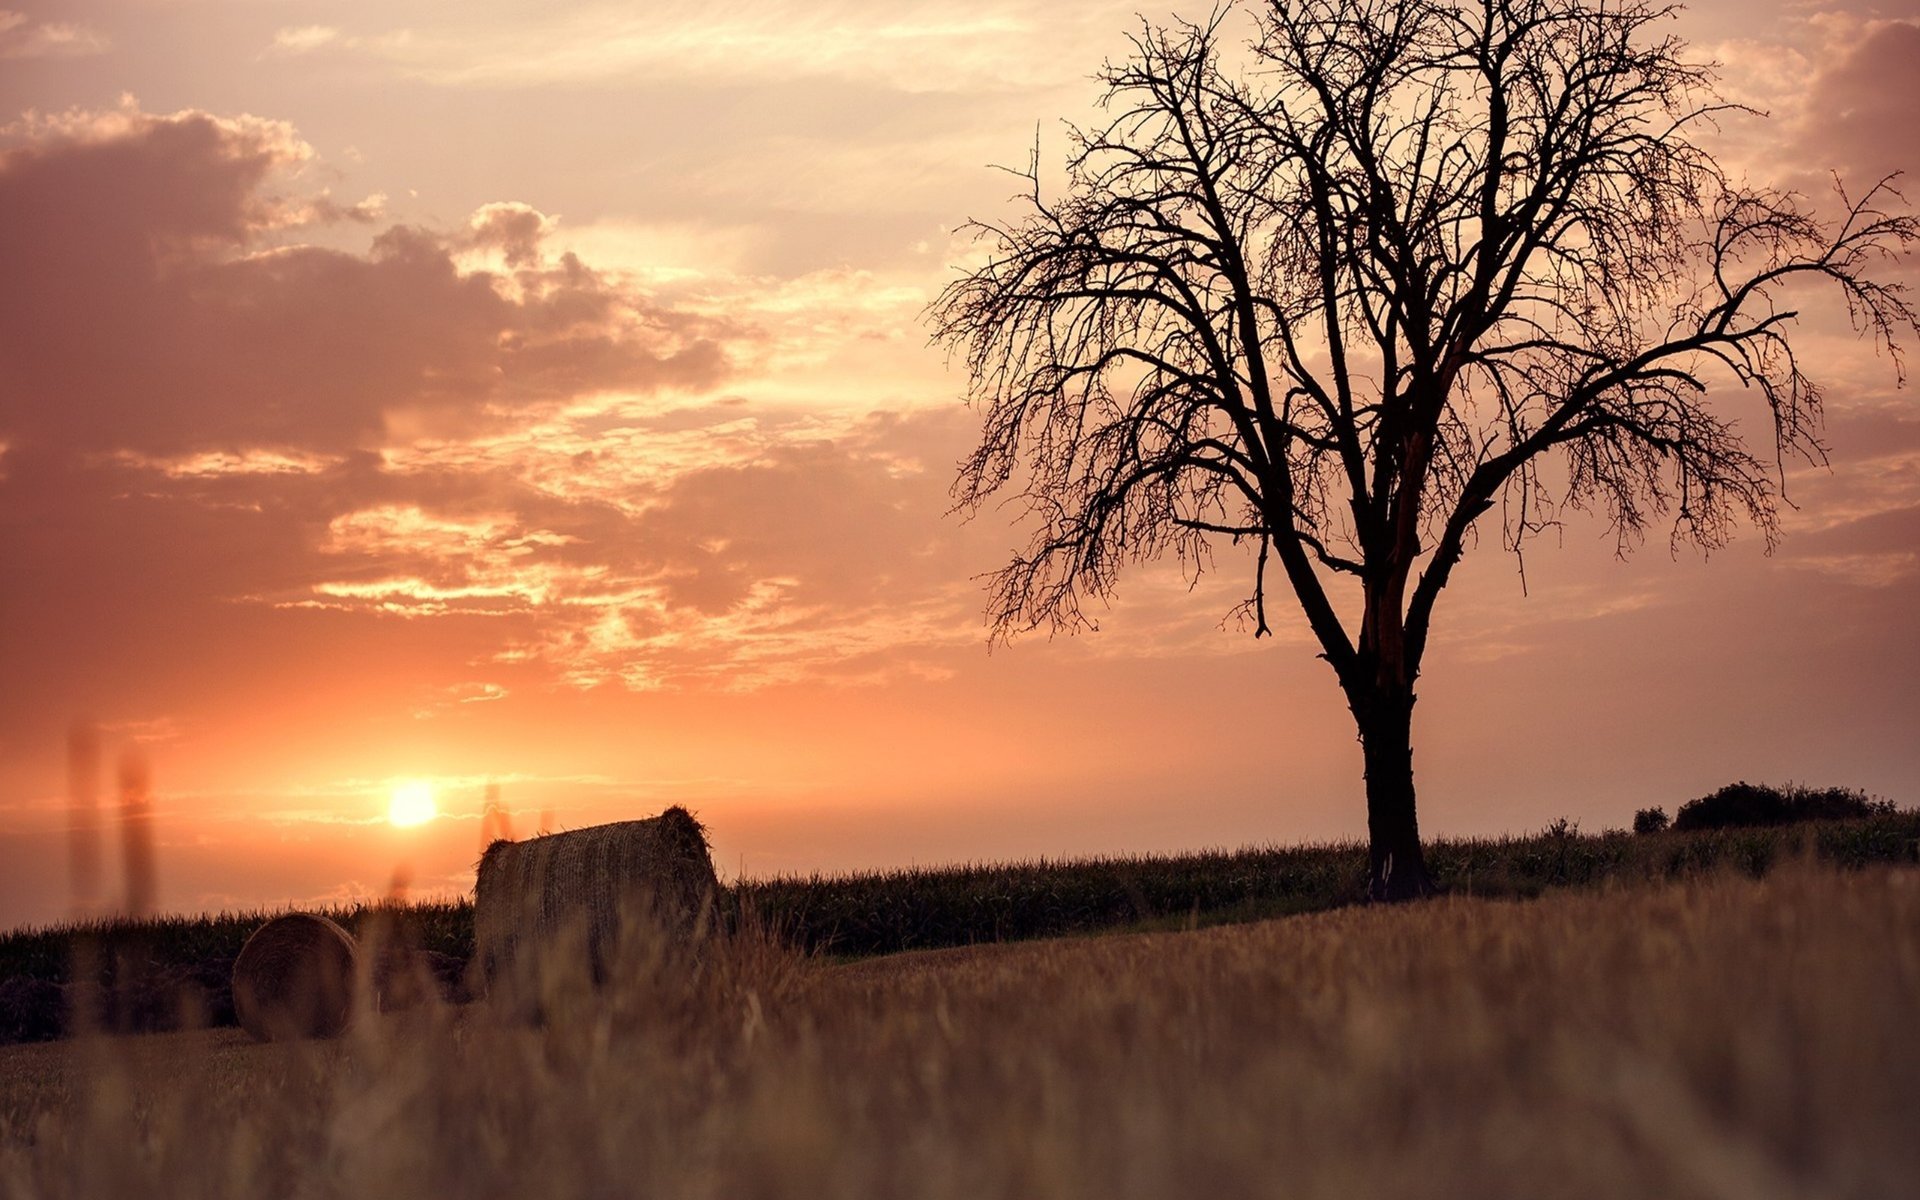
515,231
213,464
303,39
919,45
191,177
1863,111
226,337
810,558
23,37
570,479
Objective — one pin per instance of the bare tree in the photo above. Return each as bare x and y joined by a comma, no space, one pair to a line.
1337,292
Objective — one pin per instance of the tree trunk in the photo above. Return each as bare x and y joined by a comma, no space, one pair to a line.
1396,869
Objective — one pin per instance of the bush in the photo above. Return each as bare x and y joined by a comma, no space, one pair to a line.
1743,804
1650,820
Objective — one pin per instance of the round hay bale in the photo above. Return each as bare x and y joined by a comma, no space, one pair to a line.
294,979
526,894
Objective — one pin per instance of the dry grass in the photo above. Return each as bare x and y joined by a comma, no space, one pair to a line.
1718,1037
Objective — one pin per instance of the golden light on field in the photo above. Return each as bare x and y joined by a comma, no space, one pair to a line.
411,803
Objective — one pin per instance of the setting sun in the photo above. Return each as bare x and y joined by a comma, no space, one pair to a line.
411,803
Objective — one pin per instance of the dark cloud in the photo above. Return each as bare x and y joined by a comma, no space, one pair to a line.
149,308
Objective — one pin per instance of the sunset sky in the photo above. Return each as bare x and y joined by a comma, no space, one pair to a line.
537,395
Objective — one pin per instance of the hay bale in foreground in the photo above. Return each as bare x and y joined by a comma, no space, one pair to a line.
294,979
527,894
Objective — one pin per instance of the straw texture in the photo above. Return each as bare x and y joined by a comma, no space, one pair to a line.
294,979
526,894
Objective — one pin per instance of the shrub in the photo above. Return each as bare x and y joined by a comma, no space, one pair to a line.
1650,820
1745,804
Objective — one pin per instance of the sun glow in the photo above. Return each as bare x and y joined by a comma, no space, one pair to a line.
411,803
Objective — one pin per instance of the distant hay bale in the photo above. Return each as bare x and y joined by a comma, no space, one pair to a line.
527,894
294,979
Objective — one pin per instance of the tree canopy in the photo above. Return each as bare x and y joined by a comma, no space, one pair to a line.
1335,278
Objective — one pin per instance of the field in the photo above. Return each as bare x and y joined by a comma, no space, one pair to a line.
1715,1036
139,971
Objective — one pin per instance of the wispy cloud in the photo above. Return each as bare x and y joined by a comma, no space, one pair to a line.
215,464
23,37
914,45
303,39
712,582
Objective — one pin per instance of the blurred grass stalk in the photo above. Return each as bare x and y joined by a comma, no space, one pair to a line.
83,819
91,1004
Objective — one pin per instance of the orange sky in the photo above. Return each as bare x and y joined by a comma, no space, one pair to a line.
480,394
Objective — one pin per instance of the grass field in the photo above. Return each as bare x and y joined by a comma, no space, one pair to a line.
1719,1036
141,969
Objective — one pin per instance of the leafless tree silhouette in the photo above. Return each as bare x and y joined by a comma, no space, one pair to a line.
1339,291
